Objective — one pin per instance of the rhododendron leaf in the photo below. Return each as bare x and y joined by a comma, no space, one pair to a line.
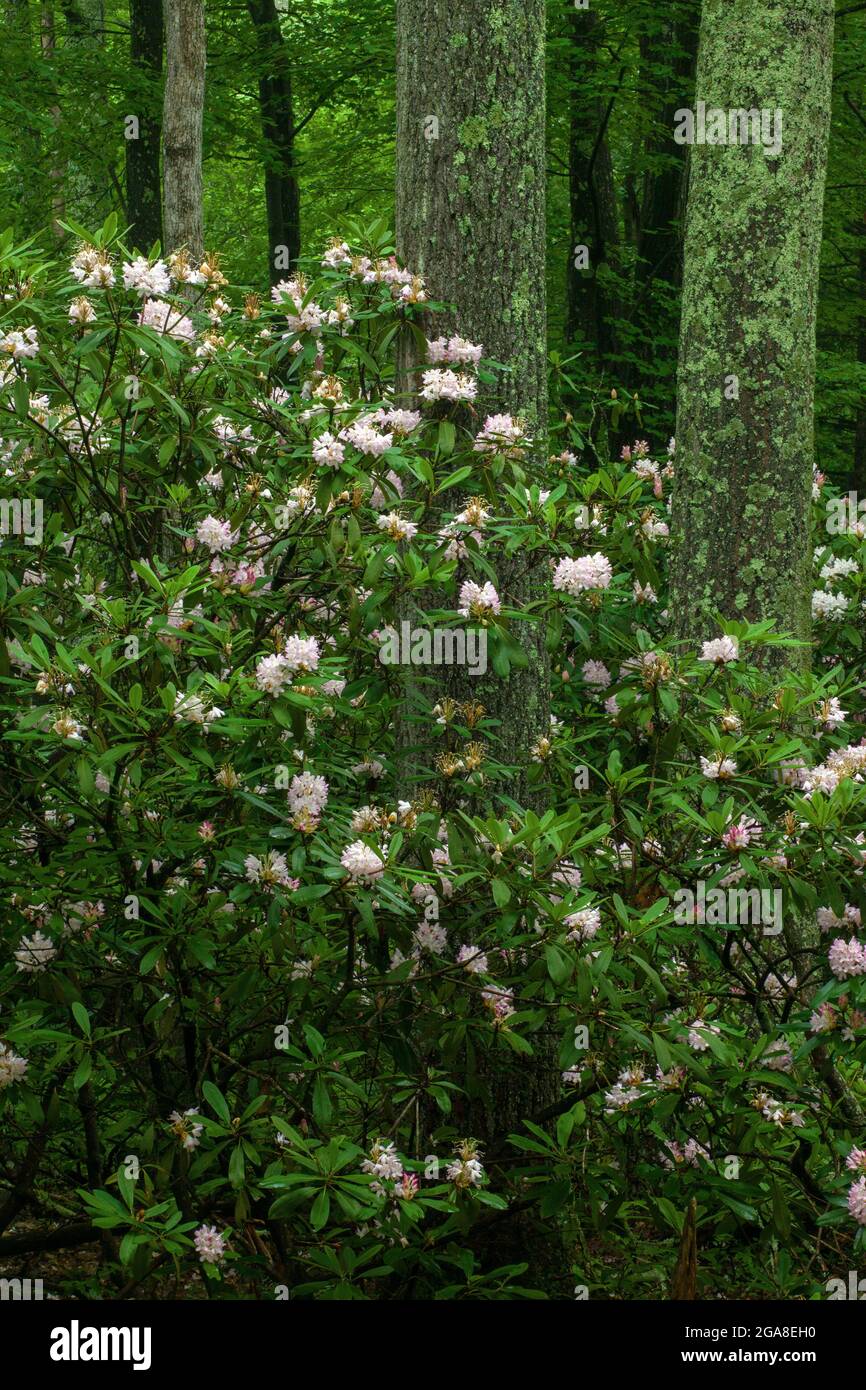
559,966
322,1107
501,892
83,1071
216,1100
453,479
82,1018
237,1166
516,1042
670,1215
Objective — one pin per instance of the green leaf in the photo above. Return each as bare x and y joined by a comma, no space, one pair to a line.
458,476
322,1107
501,892
237,1167
83,1072
672,1217
321,1210
781,1214
82,1018
214,1096
447,438
559,966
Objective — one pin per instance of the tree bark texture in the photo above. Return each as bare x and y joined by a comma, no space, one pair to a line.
747,353
182,125
471,219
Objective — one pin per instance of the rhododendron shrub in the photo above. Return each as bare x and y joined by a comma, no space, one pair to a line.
256,985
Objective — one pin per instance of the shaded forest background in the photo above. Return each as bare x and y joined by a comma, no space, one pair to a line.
299,139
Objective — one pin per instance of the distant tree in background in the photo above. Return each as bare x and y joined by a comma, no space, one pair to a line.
143,186
282,198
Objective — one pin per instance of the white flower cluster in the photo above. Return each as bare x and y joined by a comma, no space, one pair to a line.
587,572
274,673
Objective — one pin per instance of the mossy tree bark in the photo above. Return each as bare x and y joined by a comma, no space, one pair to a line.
744,459
471,219
470,190
747,348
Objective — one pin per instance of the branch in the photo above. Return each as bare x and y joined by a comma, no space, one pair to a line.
80,1233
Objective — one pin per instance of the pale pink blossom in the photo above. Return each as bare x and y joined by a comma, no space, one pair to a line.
361,863
586,572
720,650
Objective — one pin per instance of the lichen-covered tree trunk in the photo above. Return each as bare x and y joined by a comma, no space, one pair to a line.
744,458
471,219
182,125
857,476
143,192
740,528
471,177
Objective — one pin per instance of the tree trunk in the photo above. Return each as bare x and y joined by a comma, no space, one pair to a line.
87,175
18,20
282,197
143,192
470,200
48,45
182,125
857,476
592,310
744,459
668,57
471,219
674,46
747,354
